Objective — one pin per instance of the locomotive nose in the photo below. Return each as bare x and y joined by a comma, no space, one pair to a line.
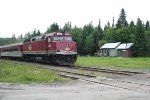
65,46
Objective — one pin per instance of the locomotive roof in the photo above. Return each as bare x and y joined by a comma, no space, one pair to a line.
16,44
57,33
46,35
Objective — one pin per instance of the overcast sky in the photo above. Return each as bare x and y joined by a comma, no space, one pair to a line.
22,16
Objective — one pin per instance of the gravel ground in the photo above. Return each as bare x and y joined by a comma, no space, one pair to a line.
74,90
81,90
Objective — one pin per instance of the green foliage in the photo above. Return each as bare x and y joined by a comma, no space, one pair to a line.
122,35
109,34
88,45
24,73
122,20
101,43
147,35
140,41
67,27
147,26
53,28
75,33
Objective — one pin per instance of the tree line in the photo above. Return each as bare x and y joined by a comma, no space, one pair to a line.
90,38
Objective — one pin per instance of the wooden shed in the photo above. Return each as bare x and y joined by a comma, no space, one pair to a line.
109,49
124,50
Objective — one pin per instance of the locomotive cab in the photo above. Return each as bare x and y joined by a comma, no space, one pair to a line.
62,47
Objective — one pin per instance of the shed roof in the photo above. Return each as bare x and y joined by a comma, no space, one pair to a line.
125,46
110,45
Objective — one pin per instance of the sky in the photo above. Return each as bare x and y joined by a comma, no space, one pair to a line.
22,16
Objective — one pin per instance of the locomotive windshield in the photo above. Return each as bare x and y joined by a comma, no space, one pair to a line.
62,38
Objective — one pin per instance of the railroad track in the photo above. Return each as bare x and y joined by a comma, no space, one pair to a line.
74,73
113,71
94,79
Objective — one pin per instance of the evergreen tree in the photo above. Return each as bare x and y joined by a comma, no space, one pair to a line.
147,26
89,45
34,33
53,28
132,24
147,35
113,24
67,27
38,33
100,31
75,33
132,31
140,41
109,34
122,22
13,38
122,35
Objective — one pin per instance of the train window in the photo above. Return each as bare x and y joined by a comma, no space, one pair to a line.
49,39
27,40
57,38
34,39
68,38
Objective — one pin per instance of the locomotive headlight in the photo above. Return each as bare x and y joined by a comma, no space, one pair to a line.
67,45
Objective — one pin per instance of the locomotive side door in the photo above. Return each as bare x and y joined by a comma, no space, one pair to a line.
51,46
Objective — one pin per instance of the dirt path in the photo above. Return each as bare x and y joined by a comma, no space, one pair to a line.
75,90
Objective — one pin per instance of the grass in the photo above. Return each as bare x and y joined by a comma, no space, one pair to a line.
114,62
25,73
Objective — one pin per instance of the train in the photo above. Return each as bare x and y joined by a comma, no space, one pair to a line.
55,48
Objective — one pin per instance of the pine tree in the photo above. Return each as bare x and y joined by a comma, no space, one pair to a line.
113,24
140,41
132,24
100,31
38,33
122,22
147,26
67,27
53,28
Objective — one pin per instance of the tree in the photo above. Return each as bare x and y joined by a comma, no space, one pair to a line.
38,33
101,43
67,27
147,35
53,27
34,33
147,26
113,24
89,45
75,33
100,30
132,31
132,24
28,35
13,38
122,22
109,34
140,41
122,35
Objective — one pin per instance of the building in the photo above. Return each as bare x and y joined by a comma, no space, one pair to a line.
124,50
109,49
116,50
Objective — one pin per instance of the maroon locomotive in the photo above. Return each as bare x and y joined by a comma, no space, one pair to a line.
55,47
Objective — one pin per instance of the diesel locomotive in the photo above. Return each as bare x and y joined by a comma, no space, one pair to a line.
56,48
